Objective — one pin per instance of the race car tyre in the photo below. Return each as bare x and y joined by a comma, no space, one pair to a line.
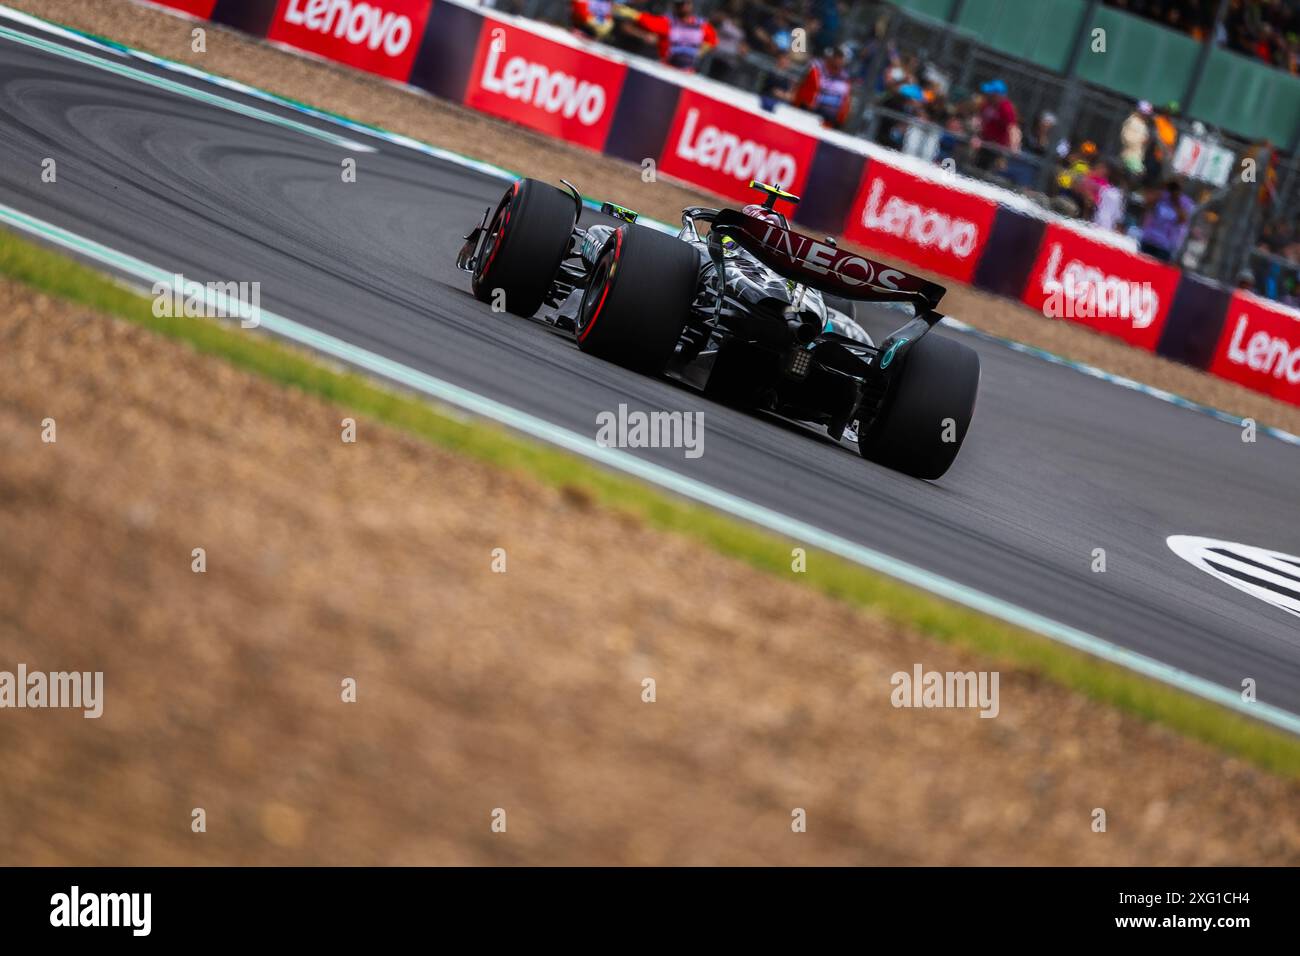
638,299
526,241
926,416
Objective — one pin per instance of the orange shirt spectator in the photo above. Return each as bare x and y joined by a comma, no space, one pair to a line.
1166,131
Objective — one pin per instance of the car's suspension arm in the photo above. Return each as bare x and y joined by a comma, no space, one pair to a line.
899,341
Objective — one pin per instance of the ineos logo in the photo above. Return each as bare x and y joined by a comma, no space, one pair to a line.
818,257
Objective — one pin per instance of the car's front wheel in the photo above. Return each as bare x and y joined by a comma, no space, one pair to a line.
526,241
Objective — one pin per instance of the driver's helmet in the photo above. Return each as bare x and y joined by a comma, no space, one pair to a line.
759,211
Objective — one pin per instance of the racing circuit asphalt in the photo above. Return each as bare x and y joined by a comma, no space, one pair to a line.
1056,463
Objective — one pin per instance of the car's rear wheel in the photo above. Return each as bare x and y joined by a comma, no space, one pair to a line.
638,298
928,411
526,241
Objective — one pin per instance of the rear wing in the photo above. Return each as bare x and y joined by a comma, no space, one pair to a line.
823,266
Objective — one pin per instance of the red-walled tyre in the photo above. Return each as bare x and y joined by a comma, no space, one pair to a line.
526,241
638,299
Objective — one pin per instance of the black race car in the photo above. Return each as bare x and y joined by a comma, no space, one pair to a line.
741,306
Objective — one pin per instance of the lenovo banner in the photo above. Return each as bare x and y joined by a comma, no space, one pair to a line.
721,148
197,8
920,221
1260,348
379,36
544,84
1101,286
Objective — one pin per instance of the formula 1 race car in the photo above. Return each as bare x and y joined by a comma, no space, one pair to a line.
749,310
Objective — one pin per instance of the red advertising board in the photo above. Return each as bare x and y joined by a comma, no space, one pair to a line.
721,148
198,8
1101,286
1260,348
544,84
379,36
920,221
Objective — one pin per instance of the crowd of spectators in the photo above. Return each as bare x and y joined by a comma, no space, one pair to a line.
1122,186
1125,184
1275,269
1267,30
788,33
791,48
